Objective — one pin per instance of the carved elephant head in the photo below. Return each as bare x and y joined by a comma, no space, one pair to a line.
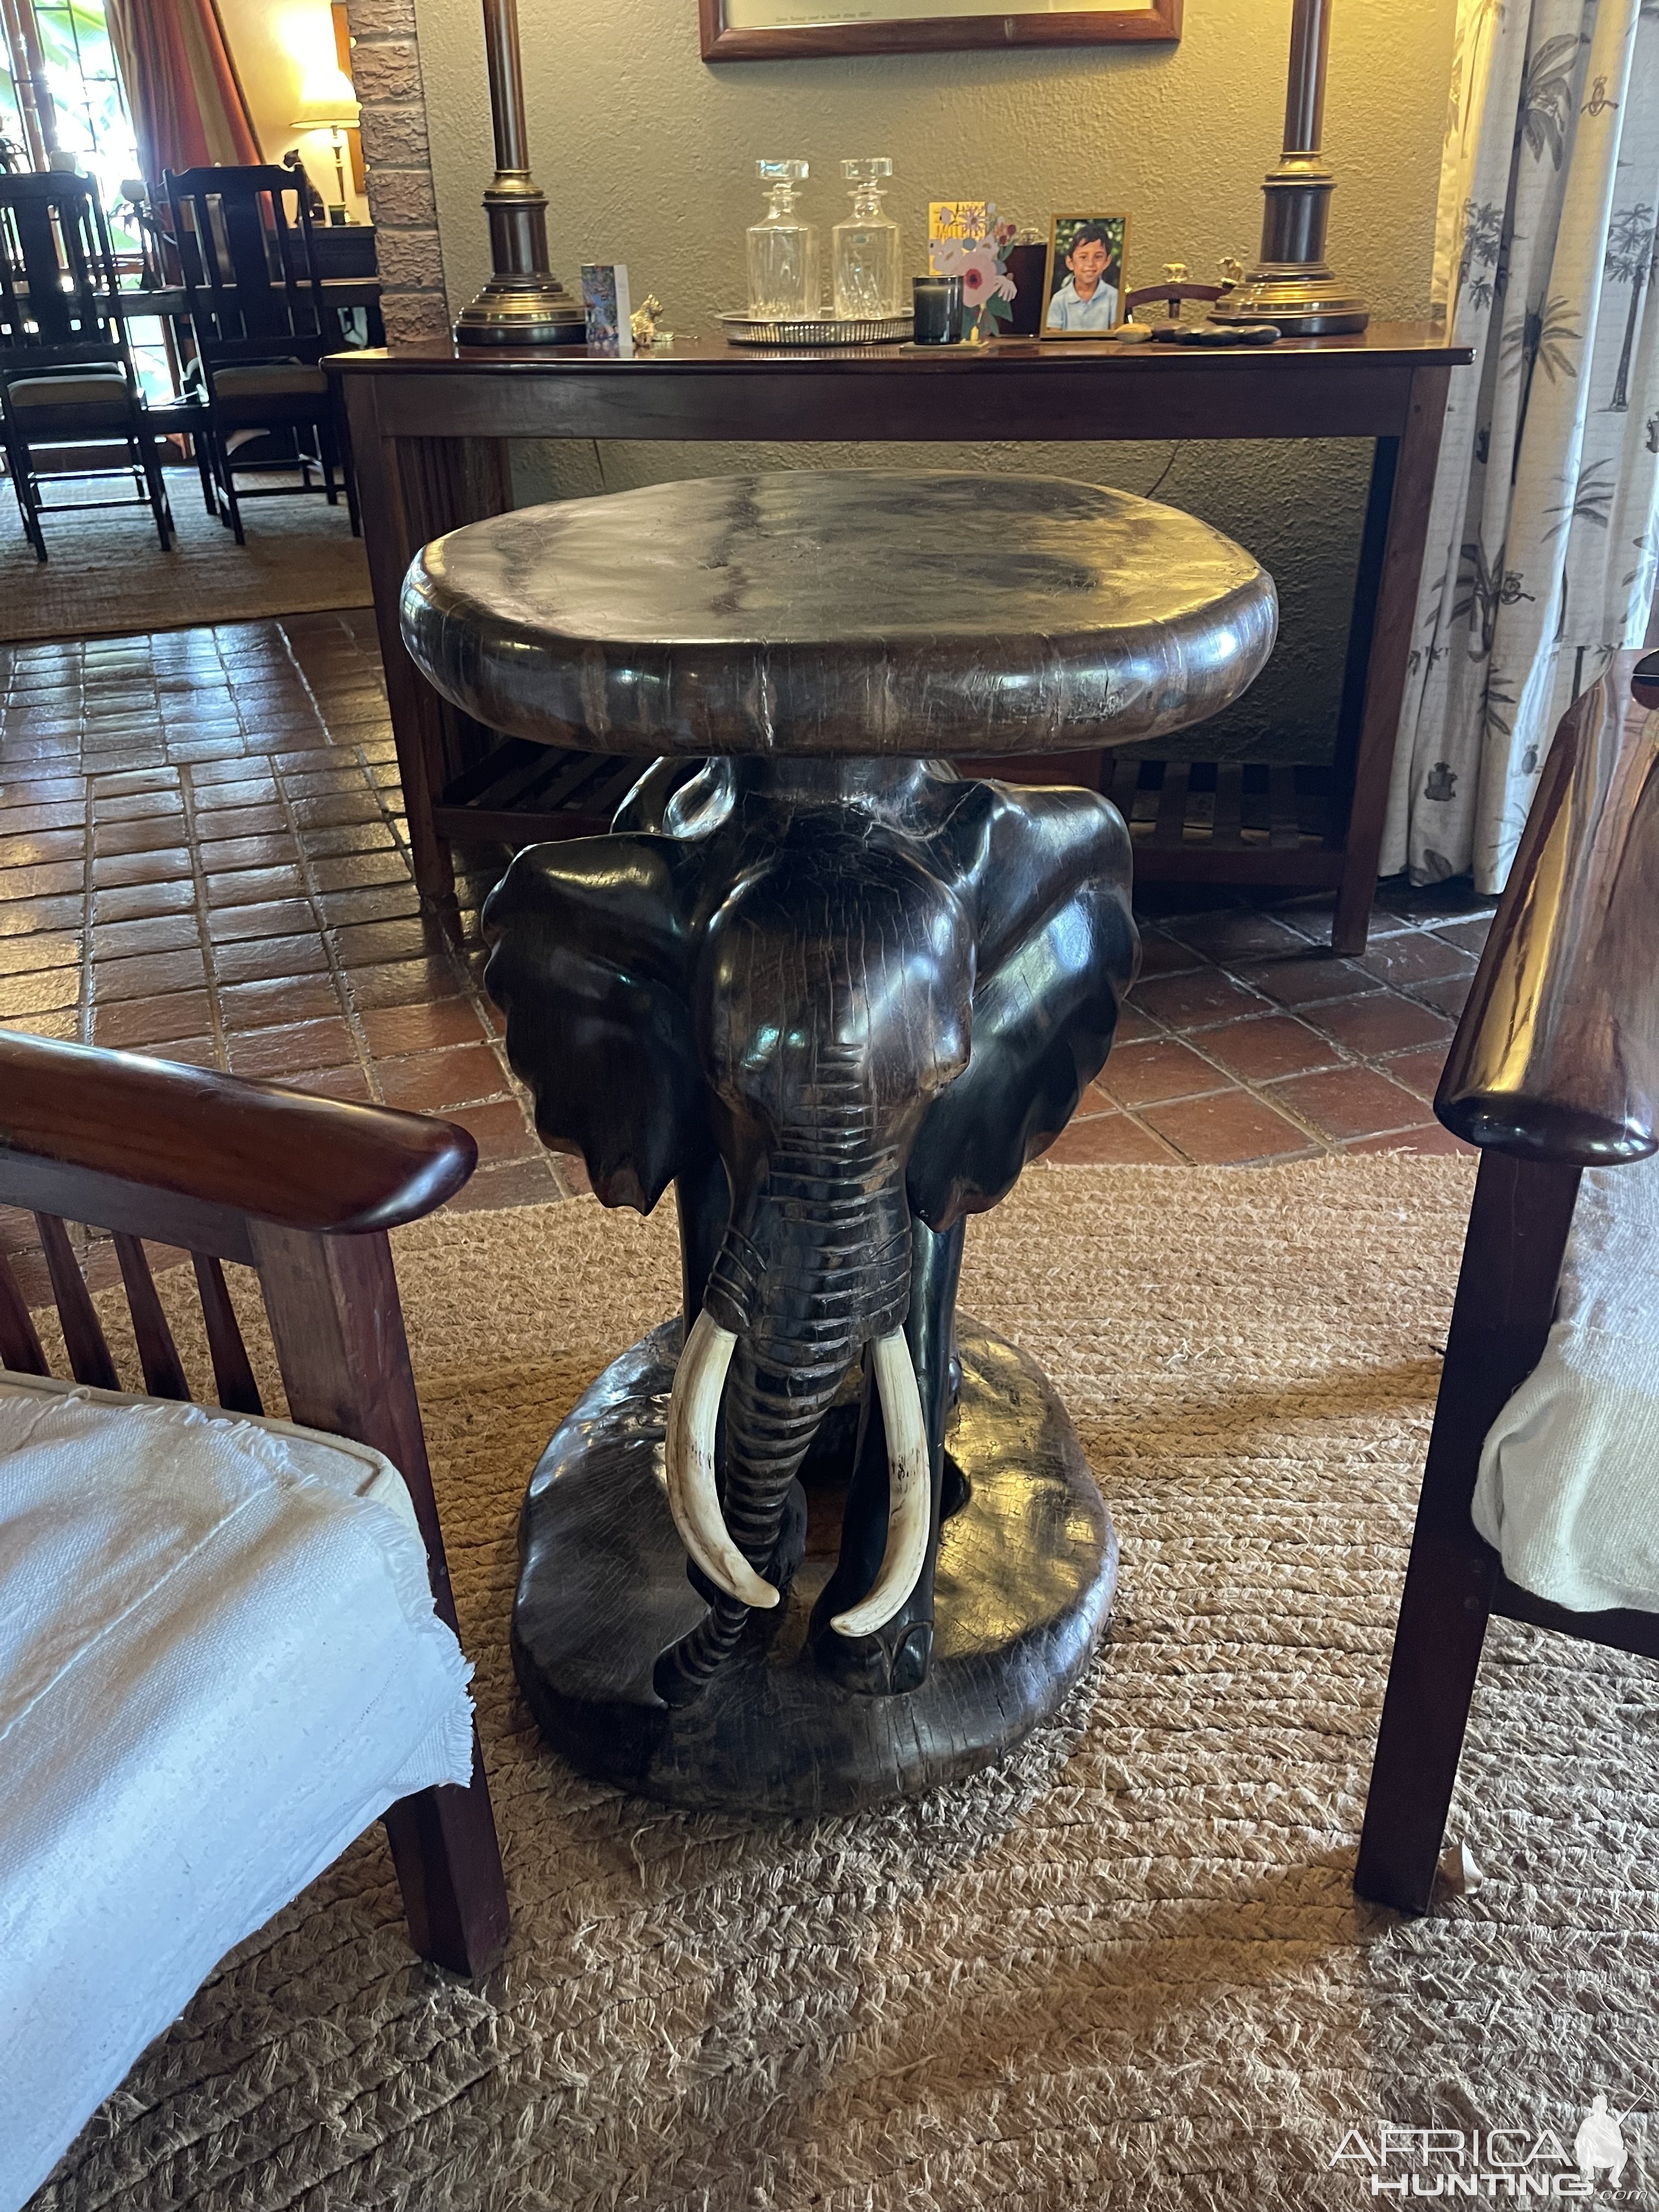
871,992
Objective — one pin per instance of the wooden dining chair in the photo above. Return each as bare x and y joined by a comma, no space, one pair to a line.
1554,1068
303,1190
66,371
261,323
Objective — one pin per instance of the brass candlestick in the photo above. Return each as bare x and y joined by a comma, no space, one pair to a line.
524,302
1292,284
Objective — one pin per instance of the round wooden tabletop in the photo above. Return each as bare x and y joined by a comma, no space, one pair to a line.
846,611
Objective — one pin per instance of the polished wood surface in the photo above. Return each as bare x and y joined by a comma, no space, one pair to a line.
1557,1057
839,1004
431,428
1552,1070
137,302
1415,343
219,1142
855,611
1026,1571
143,1147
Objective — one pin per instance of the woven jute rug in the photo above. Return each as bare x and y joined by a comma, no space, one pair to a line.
108,575
1128,1967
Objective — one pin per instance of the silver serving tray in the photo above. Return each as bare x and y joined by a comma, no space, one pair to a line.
816,330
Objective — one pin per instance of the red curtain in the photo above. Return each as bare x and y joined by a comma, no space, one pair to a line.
187,102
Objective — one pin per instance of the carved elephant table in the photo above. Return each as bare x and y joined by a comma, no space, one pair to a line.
818,1541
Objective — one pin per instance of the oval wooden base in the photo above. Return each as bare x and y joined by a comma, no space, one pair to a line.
1027,1567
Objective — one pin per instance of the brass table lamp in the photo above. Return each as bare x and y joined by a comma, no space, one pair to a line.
524,303
332,107
1291,283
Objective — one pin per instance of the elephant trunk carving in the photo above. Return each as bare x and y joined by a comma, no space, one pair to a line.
840,1004
820,1272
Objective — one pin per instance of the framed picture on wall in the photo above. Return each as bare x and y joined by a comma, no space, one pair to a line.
776,30
1086,276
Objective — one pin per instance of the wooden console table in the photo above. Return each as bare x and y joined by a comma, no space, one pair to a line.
430,427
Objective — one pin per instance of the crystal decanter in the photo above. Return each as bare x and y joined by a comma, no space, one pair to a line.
783,250
869,278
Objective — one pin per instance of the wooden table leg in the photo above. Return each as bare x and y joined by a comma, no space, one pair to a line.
1390,648
413,489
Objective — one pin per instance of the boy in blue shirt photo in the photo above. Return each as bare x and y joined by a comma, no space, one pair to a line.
1086,303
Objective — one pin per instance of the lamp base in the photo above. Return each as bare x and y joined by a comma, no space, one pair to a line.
1303,298
521,311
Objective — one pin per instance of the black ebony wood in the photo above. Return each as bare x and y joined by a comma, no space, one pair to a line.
430,428
857,611
842,1004
840,996
1026,1570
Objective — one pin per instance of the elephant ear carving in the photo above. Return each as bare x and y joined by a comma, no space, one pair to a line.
592,969
1047,873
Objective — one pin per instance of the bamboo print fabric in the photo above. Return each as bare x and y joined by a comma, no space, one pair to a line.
1541,554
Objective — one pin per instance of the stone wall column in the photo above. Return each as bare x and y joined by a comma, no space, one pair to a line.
385,69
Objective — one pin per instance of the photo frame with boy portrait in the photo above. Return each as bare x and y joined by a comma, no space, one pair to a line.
1086,276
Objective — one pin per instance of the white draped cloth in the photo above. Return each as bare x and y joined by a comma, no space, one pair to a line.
219,1663
1568,1491
1541,551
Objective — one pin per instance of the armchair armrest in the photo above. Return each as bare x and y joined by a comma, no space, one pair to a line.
138,1145
1557,1057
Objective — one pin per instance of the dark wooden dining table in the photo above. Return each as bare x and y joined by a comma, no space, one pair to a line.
431,430
342,294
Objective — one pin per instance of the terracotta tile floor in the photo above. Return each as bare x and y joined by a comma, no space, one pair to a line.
203,856
1246,1040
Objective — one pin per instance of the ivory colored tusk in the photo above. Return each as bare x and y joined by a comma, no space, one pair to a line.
694,1408
909,1493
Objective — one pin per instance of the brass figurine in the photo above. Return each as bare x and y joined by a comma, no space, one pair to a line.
643,323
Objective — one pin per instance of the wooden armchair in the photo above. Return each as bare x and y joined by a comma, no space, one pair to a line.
304,1191
1554,1068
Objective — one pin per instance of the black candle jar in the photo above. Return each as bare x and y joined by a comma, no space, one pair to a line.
937,310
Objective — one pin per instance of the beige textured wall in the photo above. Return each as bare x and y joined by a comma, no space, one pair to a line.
646,156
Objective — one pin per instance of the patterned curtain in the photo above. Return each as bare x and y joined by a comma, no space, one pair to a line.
1541,549
187,104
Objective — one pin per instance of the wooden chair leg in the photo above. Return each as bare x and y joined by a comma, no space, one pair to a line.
18,465
1443,1611
221,460
210,497
325,463
338,1330
1517,1234
232,509
143,446
448,1863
